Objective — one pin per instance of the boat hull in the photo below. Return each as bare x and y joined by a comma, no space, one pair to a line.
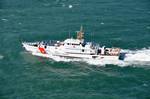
52,51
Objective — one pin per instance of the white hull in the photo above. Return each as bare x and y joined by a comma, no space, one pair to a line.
74,48
52,52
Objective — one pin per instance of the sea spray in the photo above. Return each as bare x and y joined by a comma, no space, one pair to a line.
133,57
138,55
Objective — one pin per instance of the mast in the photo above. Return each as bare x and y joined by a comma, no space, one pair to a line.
80,34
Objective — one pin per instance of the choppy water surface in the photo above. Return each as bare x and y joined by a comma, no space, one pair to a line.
116,23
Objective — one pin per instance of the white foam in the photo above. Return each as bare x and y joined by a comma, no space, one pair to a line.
63,59
102,23
1,56
138,55
133,57
4,19
70,6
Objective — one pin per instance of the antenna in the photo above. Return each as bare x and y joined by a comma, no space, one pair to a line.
69,34
81,28
92,35
80,34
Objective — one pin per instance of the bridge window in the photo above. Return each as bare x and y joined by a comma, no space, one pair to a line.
82,50
75,44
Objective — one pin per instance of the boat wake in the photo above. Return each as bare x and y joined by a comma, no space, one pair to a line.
138,57
133,57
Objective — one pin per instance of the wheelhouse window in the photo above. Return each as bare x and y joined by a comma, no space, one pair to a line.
82,50
75,44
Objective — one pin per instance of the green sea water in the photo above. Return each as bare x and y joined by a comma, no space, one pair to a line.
119,23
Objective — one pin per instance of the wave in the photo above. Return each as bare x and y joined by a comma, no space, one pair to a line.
1,56
138,57
133,57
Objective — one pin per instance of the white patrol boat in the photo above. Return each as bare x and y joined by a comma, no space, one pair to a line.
73,48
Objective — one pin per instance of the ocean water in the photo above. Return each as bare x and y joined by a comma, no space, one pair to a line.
118,23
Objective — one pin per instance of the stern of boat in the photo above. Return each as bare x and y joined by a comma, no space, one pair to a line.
122,56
